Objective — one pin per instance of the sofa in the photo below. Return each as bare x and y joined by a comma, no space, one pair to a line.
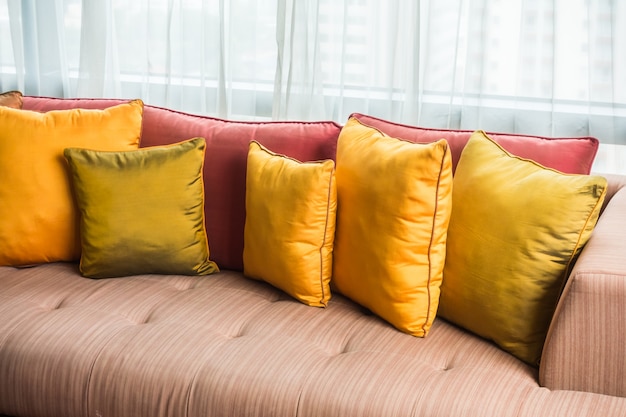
84,333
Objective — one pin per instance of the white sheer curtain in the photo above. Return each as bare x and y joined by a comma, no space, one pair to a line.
339,57
531,66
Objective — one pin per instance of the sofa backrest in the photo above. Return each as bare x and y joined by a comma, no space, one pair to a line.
225,159
227,148
569,155
226,162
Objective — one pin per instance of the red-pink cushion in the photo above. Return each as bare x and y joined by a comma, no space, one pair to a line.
225,159
44,104
568,155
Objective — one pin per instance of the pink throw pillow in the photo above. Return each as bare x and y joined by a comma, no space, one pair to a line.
568,155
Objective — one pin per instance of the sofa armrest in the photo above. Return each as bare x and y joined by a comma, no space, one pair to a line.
616,182
585,349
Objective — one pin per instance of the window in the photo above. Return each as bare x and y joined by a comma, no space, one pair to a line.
527,66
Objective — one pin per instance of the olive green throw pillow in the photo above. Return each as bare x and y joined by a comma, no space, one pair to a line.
141,211
515,230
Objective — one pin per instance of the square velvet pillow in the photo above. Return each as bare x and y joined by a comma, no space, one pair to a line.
515,231
394,202
290,224
142,211
38,218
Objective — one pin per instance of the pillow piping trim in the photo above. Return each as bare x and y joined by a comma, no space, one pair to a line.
565,286
204,231
576,248
430,244
600,200
566,273
325,239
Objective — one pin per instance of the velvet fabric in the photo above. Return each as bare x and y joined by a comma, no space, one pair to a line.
568,155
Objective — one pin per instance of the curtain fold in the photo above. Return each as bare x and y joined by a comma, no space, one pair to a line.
38,52
98,53
528,66
298,85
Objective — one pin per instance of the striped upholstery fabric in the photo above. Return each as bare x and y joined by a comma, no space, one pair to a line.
225,345
586,347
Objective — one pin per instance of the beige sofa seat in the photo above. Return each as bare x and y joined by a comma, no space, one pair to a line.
224,345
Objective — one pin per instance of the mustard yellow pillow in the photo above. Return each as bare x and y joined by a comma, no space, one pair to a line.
142,211
394,202
515,230
38,218
290,224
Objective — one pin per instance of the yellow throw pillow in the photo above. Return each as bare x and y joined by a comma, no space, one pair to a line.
38,218
394,202
142,211
290,224
515,230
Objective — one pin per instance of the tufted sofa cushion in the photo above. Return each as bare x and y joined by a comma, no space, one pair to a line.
226,345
